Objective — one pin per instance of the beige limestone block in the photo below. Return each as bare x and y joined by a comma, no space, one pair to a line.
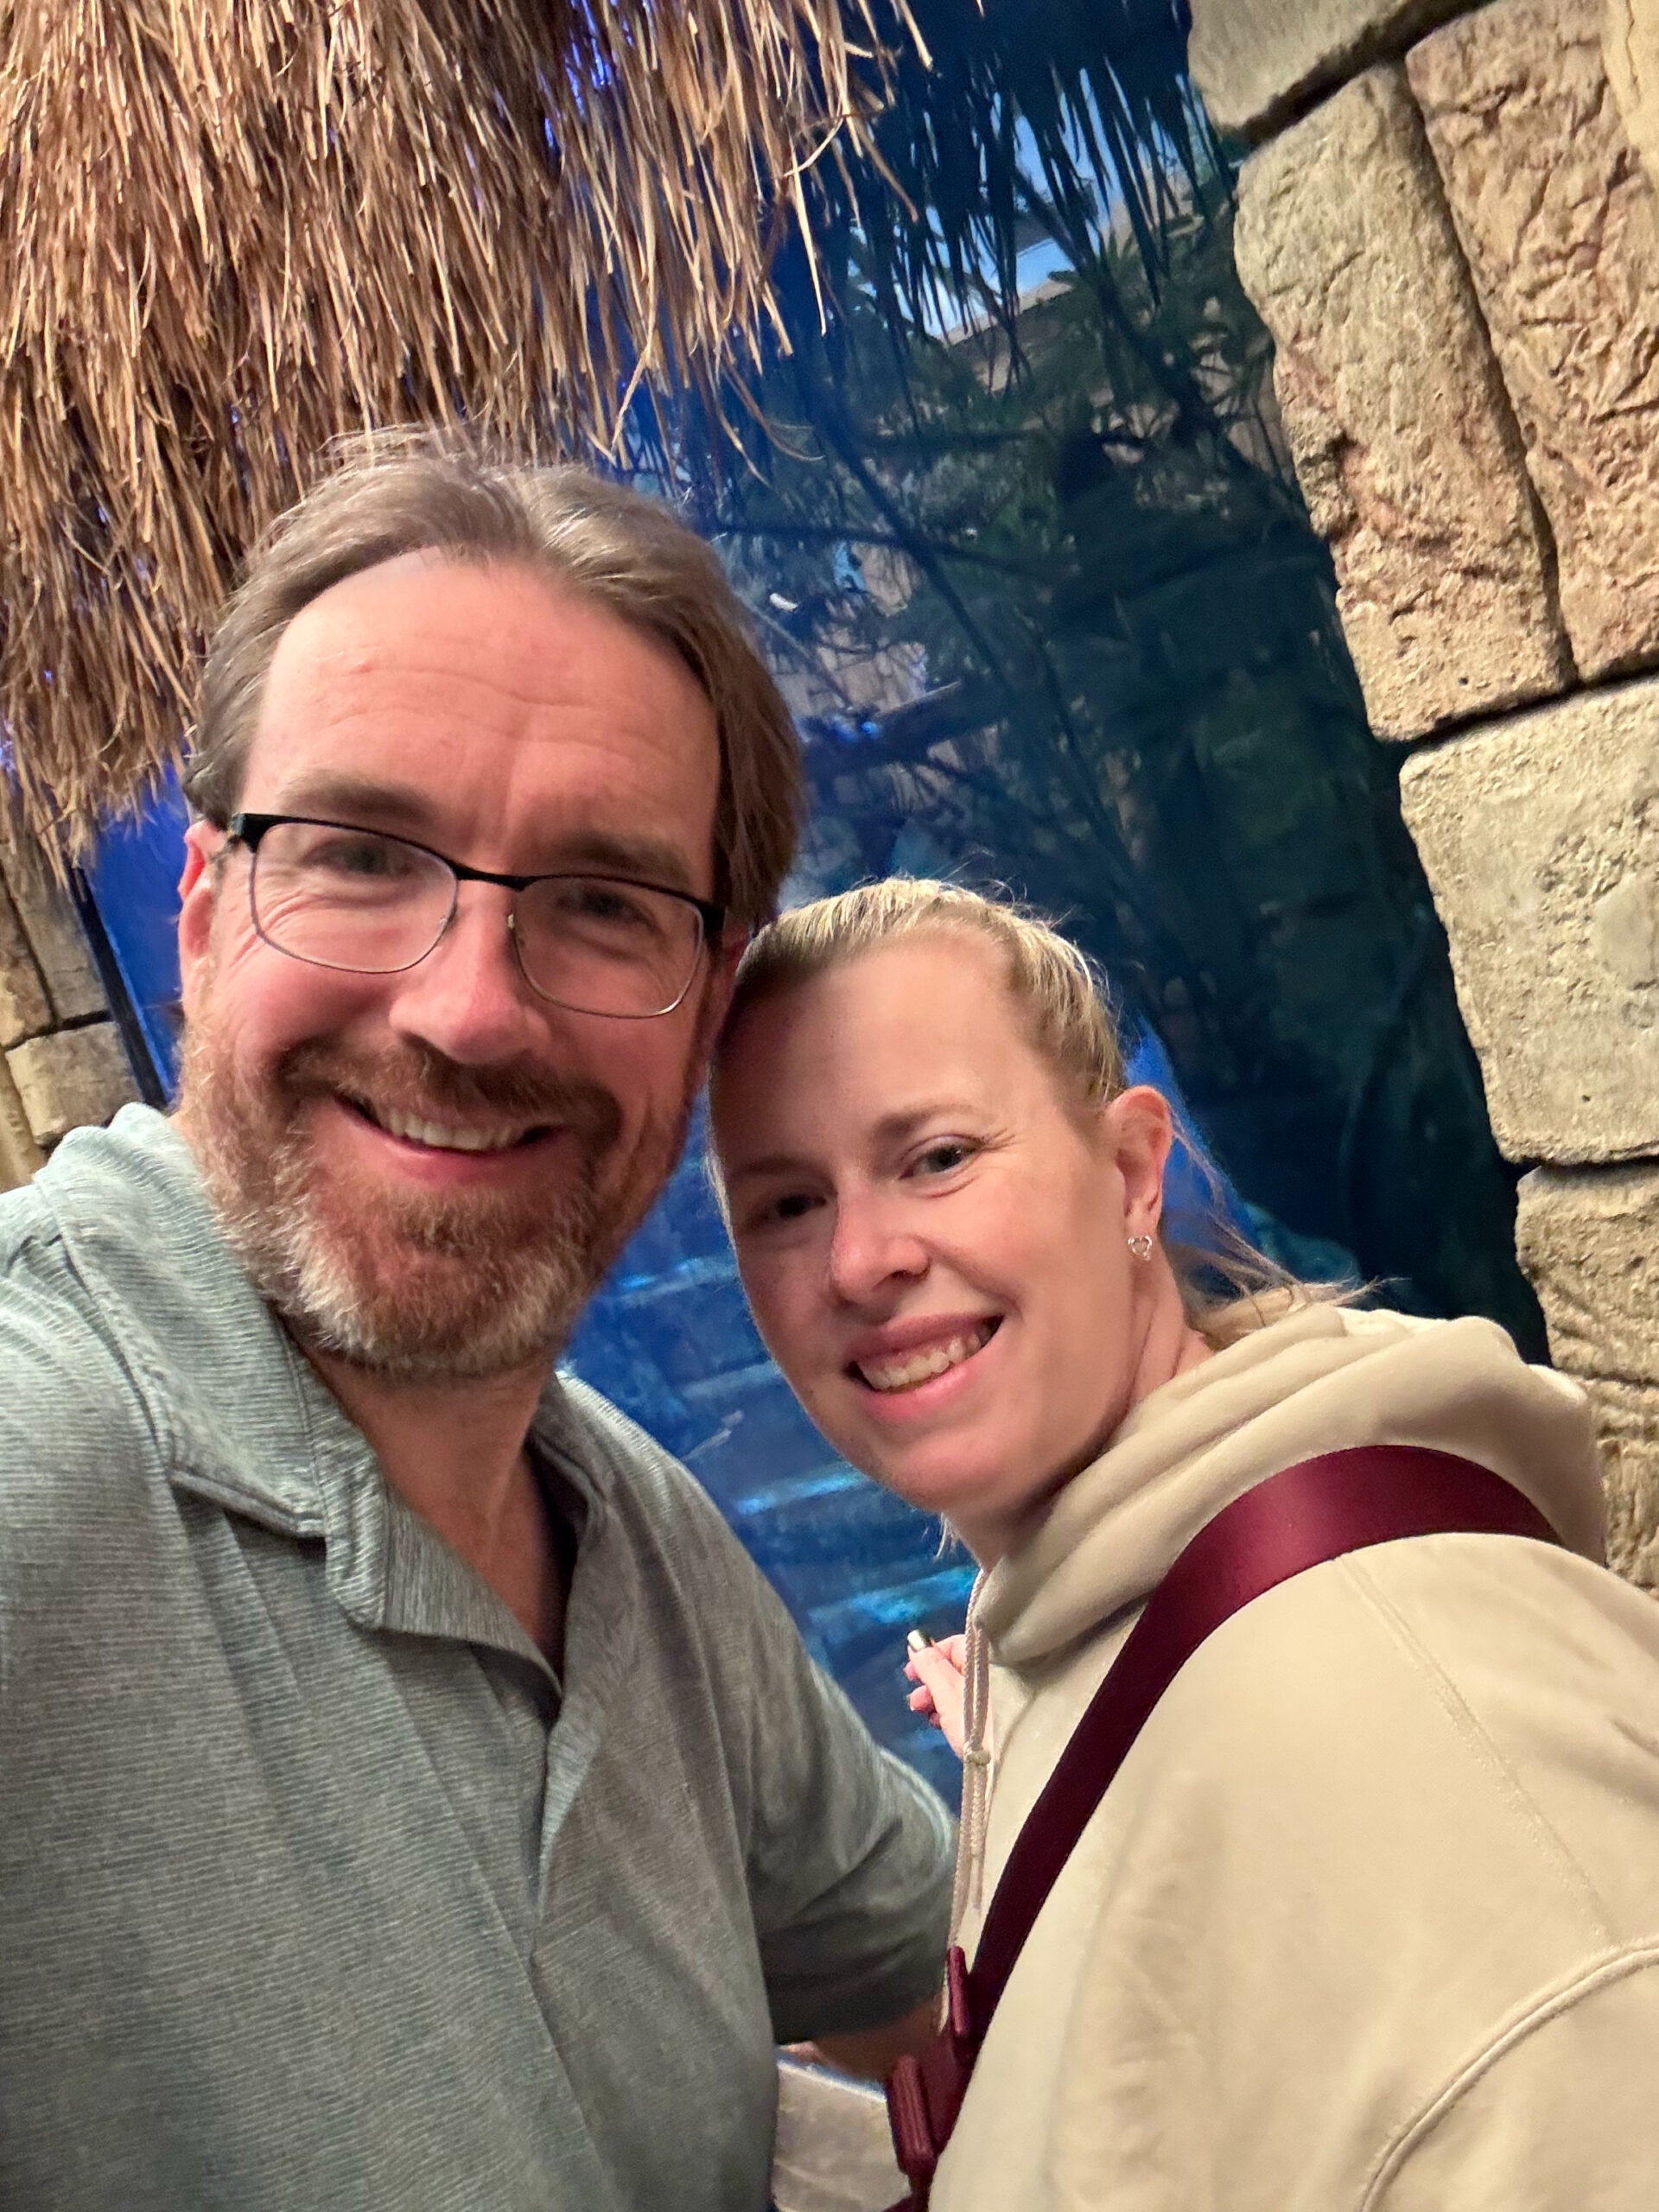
1559,225
53,933
1540,835
1401,435
24,1011
1629,48
1258,61
1589,1241
19,1153
1627,1430
71,1078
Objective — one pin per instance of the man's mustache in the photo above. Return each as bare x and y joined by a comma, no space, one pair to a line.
421,1082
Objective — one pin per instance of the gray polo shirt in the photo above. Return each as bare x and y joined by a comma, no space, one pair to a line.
317,1888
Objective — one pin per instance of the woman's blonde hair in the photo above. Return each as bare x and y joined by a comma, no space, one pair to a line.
1229,1288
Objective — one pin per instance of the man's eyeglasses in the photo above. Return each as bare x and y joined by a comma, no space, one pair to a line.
371,905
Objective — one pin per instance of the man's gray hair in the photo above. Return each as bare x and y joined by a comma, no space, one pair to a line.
630,555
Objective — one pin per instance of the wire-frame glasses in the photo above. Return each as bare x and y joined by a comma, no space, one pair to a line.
358,900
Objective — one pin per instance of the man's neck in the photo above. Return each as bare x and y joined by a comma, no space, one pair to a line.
455,1452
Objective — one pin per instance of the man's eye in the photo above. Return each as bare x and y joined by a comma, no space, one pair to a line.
605,908
593,902
358,856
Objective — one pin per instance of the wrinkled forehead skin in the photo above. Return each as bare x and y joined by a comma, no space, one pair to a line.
497,706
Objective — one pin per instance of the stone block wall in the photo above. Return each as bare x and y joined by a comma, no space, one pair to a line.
1450,225
62,1061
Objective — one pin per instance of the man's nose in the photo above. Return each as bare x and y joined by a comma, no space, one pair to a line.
873,1245
468,998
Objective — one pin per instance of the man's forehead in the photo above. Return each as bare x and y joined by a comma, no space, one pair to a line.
416,599
399,692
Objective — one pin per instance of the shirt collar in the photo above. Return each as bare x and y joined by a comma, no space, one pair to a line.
240,1415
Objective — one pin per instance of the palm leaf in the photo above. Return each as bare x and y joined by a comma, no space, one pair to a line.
1074,113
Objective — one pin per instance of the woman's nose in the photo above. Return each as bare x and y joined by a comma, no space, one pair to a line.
871,1246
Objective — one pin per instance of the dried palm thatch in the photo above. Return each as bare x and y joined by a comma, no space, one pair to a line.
232,230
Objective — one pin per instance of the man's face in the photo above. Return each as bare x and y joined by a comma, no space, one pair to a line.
510,725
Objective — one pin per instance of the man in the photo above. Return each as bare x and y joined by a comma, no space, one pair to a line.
412,1797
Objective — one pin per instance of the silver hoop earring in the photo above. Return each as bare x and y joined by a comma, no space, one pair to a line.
1141,1247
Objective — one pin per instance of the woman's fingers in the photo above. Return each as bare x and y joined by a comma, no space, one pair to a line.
937,1670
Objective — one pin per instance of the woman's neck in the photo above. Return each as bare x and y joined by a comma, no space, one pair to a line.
1166,1345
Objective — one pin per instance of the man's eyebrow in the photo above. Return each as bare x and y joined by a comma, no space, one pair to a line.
359,799
650,859
402,810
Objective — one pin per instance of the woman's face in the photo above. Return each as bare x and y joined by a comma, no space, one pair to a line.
935,1244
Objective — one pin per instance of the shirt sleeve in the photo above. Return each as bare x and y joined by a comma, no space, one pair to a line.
847,1854
1557,2115
72,1436
850,1852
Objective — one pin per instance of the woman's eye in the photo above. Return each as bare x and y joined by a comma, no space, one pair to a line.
790,1207
941,1158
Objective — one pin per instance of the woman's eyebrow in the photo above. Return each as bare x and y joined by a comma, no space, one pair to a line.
894,1128
903,1123
773,1163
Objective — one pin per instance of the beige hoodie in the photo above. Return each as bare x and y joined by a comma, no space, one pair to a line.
1370,1917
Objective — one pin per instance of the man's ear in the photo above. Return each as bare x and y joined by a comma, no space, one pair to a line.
198,895
717,998
1141,1131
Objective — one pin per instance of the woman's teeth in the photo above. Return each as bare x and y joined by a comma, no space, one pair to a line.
904,1374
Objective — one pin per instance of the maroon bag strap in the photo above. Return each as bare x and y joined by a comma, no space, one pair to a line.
1317,1511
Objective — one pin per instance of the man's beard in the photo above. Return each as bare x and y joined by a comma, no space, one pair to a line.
417,1286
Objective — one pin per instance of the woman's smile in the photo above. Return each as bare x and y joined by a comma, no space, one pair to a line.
916,1353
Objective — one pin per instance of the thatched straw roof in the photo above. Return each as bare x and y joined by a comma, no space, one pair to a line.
231,230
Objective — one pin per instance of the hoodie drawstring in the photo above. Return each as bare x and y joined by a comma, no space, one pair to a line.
975,1768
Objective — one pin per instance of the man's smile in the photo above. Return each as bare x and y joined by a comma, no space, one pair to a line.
441,1136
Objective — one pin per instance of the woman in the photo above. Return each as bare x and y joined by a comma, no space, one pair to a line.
1369,1916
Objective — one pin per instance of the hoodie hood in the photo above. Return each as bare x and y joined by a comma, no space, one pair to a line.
1324,1379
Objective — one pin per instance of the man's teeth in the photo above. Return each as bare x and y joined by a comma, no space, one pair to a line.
921,1366
411,1127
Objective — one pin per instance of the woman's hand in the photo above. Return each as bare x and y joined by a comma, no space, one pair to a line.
937,1671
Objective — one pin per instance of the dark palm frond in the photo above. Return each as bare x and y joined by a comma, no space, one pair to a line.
1072,116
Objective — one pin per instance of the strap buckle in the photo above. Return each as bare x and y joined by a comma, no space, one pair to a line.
925,2094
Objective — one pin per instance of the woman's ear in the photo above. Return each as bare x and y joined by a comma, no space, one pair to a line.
1142,1130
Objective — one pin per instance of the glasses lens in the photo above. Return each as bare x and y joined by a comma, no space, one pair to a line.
602,947
348,898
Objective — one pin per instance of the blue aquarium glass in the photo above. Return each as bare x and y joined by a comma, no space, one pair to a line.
132,881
